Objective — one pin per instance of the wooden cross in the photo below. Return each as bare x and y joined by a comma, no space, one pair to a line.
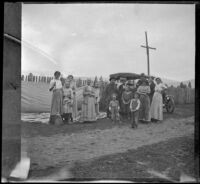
147,48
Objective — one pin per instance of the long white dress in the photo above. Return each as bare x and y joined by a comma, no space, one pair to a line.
97,99
73,87
157,103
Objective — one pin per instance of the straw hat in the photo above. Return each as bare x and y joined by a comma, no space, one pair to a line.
158,78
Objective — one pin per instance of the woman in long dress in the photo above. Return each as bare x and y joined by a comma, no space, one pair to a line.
73,87
57,99
88,106
157,101
144,112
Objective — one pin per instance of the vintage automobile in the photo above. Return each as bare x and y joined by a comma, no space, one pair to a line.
168,100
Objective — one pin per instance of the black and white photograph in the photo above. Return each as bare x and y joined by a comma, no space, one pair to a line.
107,92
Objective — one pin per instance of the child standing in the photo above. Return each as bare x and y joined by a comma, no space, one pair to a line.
67,102
114,108
134,107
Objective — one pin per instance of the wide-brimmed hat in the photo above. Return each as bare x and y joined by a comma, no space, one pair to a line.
70,76
158,78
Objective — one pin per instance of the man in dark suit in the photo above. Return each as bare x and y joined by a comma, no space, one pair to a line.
111,89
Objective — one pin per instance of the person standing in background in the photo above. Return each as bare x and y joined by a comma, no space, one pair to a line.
127,95
144,90
73,87
110,89
57,99
120,91
152,88
97,97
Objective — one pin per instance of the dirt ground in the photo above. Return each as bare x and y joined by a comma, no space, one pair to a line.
94,150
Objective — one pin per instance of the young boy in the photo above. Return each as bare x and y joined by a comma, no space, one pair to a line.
114,108
134,107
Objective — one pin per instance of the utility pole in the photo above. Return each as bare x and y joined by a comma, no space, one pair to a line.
147,49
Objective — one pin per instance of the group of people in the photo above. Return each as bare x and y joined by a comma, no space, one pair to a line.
141,101
64,101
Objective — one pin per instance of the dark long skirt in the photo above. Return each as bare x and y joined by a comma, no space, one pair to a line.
144,112
56,107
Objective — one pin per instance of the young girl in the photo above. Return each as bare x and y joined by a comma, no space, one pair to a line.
97,98
134,107
114,109
57,101
74,106
67,102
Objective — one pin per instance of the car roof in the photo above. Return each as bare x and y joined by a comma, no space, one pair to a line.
128,76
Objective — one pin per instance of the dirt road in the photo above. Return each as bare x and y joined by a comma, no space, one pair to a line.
52,147
61,149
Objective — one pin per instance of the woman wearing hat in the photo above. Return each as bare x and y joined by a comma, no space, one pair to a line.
88,112
144,112
157,101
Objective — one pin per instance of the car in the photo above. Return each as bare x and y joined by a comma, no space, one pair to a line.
168,100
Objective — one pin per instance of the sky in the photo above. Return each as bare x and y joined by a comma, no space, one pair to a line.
100,39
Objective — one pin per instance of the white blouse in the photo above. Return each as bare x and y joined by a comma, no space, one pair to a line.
57,82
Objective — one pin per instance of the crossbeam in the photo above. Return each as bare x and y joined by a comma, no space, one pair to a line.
147,47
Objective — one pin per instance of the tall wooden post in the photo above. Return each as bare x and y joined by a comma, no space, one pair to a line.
147,49
147,54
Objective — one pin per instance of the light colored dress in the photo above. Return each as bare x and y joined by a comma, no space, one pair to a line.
114,109
73,87
144,112
97,99
57,99
67,100
157,103
88,112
